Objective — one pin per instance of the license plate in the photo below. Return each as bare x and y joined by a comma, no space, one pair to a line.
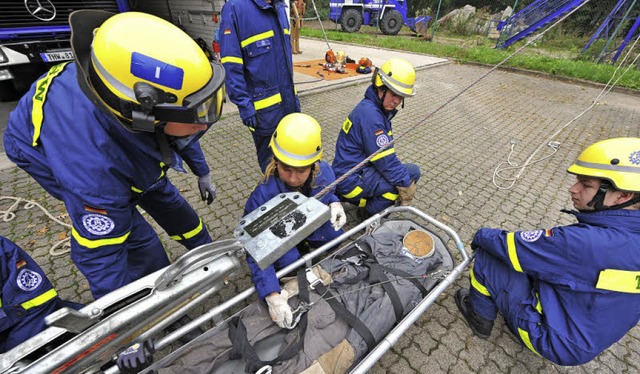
57,56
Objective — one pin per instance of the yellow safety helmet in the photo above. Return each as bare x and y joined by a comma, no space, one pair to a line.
145,70
297,140
616,160
398,75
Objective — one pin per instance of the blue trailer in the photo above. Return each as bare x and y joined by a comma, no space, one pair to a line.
34,35
389,15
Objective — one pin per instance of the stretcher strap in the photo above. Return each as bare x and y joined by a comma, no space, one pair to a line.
404,275
242,348
377,275
363,249
347,316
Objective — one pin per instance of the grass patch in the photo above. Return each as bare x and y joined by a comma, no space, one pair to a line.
479,49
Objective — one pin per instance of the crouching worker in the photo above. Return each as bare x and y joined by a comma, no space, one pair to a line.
295,167
101,133
383,180
570,292
27,296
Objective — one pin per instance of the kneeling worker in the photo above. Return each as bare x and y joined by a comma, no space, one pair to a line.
382,181
570,292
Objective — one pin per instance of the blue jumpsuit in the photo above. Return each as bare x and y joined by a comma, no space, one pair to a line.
255,47
102,172
266,281
27,296
366,129
568,293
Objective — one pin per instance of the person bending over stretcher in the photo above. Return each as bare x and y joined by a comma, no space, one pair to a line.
296,166
570,292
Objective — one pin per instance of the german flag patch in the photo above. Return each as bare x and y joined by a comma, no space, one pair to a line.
379,132
548,233
20,263
227,31
95,210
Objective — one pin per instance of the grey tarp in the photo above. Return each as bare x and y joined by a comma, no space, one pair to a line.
324,331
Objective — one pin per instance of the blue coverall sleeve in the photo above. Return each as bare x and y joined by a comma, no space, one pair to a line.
232,60
386,162
544,254
194,157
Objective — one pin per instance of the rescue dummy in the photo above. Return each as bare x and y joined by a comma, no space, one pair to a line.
569,292
384,180
100,134
296,166
351,299
27,296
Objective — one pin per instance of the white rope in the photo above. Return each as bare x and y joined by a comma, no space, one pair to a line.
10,215
498,173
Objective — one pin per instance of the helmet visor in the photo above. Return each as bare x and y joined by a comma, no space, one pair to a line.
203,106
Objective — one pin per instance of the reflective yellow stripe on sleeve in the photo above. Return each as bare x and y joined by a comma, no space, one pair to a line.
39,98
477,285
390,196
362,203
382,154
269,101
232,59
255,38
355,192
286,31
98,242
619,280
538,304
39,300
190,234
513,255
524,335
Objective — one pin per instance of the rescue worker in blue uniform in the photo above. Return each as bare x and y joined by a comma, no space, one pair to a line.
100,134
255,47
569,292
367,132
296,166
26,296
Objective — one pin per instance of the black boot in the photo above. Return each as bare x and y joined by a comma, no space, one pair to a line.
191,335
481,327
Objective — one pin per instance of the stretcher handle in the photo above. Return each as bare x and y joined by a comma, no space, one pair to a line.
191,259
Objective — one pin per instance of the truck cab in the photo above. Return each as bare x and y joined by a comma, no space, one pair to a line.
35,35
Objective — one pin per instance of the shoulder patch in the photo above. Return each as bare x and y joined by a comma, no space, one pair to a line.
28,280
98,224
382,140
531,236
346,125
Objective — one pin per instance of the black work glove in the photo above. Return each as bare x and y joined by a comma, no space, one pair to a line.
207,188
251,122
137,357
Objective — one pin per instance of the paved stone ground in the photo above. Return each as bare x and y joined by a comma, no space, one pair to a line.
457,149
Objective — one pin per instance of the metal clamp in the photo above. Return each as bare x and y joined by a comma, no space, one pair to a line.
312,278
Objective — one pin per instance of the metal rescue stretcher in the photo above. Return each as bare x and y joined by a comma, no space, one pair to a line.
90,340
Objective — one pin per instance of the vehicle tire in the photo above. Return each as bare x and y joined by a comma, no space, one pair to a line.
351,20
391,22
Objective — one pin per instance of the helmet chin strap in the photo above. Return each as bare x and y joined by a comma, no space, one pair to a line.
598,200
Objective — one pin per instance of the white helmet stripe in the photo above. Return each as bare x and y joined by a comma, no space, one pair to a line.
621,168
293,155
